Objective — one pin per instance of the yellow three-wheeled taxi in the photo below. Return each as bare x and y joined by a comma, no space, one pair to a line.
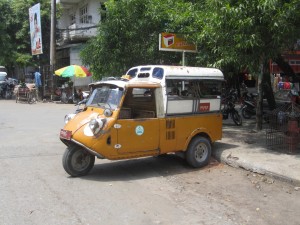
162,109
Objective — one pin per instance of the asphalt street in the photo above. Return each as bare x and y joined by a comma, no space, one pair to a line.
35,189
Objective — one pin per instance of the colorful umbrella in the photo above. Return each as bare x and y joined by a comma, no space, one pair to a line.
73,70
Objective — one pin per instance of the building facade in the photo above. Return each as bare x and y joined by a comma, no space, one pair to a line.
77,23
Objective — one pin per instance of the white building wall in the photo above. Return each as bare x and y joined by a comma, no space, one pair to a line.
75,60
93,10
64,22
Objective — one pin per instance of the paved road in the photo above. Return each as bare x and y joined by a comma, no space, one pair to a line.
35,189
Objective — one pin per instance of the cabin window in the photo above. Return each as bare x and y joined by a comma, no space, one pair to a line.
158,73
143,75
132,73
138,103
193,96
194,88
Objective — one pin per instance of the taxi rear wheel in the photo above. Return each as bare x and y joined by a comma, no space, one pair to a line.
199,152
77,162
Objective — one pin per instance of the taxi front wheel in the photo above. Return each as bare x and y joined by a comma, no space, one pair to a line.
199,152
77,162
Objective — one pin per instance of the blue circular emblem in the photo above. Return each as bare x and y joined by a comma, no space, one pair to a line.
139,130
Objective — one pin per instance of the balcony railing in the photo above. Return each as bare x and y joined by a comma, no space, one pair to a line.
77,32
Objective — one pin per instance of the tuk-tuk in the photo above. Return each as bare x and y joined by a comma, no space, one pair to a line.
162,109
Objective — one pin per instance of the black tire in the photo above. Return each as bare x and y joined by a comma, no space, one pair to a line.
199,152
245,113
77,162
236,117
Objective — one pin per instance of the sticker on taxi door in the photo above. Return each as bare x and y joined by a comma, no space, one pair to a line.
139,130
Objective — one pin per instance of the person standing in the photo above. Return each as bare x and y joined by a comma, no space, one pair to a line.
38,83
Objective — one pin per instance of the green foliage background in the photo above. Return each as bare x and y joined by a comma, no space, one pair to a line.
228,33
15,34
130,36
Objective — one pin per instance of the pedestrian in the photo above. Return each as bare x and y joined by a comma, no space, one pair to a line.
38,83
80,95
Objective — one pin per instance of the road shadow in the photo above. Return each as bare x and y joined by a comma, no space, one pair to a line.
142,168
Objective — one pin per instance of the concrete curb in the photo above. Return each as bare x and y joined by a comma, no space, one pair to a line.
241,161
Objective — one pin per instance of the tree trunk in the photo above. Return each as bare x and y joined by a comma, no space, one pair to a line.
259,101
264,88
267,89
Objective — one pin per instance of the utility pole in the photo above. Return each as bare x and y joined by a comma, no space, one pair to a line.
53,40
53,27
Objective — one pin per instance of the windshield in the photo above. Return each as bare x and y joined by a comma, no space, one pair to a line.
106,96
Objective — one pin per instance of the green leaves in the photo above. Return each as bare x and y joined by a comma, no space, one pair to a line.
15,38
128,37
248,29
225,31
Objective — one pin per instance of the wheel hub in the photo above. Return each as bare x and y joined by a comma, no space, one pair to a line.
201,152
80,160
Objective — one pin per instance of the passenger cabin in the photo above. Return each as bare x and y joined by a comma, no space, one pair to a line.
185,90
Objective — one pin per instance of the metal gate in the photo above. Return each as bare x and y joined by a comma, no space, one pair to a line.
283,131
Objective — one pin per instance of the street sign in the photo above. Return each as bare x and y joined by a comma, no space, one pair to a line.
175,42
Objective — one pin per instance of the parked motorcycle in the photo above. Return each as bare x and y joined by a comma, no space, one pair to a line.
77,96
229,110
71,96
246,96
230,93
2,89
248,109
7,89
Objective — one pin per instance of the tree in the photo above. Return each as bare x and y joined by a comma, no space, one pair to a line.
246,33
228,33
128,37
6,43
15,35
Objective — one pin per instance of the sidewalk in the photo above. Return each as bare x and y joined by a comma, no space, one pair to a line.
243,147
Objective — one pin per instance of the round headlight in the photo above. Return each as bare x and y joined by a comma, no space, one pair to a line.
68,117
107,112
96,125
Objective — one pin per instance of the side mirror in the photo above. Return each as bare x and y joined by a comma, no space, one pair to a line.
82,102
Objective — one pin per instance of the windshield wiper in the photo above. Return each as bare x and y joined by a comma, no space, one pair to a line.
104,104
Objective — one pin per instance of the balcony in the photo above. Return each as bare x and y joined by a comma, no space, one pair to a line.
77,33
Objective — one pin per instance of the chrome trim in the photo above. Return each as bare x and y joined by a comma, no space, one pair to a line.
88,149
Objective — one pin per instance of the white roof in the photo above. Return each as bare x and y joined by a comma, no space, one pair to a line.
183,72
118,83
